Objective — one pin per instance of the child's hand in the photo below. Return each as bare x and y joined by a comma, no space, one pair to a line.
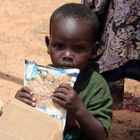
24,95
66,97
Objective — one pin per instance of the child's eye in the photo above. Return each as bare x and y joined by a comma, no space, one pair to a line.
79,48
58,46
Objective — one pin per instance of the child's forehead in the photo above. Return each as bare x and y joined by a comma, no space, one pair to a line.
70,18
72,23
72,26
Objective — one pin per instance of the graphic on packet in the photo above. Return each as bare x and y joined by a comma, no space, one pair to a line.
43,80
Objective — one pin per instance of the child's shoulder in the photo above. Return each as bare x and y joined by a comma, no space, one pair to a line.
97,80
97,77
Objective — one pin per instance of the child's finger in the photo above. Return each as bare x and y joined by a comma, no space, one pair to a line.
59,95
28,96
65,85
58,101
62,90
26,89
27,101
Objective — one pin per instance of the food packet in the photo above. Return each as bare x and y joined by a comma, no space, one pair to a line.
43,80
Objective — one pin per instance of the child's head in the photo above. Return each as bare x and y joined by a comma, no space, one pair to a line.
73,29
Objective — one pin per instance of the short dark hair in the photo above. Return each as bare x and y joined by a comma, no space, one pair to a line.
77,11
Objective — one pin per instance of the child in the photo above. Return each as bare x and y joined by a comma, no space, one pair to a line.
72,31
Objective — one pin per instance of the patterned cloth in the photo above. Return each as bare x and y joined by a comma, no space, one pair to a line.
123,100
120,32
119,45
131,102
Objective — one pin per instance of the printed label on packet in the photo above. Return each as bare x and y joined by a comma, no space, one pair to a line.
43,80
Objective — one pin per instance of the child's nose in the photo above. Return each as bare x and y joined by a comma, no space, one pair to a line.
68,57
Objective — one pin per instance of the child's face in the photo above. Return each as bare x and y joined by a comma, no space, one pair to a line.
70,44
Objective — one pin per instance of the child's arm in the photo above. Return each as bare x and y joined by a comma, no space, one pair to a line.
66,96
24,95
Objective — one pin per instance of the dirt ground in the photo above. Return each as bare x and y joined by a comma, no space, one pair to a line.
23,27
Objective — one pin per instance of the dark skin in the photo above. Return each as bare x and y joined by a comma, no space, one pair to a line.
70,46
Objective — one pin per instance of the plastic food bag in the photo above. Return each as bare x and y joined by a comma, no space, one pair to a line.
43,80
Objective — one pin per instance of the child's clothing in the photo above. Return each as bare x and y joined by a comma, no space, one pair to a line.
95,94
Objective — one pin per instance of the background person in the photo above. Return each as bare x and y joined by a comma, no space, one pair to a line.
118,56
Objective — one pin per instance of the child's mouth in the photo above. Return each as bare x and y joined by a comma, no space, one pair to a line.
66,66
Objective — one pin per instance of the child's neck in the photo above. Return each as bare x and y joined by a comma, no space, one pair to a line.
83,73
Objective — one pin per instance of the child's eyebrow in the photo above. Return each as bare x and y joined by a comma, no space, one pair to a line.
57,40
81,42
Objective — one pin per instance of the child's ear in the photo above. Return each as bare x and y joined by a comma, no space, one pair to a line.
47,41
94,50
